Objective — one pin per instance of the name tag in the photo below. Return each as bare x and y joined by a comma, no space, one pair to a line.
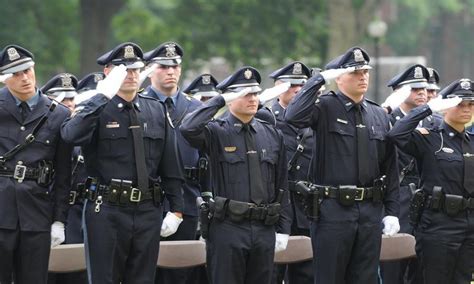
113,124
447,150
341,121
230,149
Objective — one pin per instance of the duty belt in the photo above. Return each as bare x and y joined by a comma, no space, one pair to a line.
20,173
191,173
76,196
450,204
358,193
238,211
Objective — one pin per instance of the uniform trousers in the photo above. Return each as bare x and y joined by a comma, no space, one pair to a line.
239,253
122,242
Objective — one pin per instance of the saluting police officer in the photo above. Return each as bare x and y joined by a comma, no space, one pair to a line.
299,144
164,87
445,207
35,168
130,156
250,210
63,86
351,160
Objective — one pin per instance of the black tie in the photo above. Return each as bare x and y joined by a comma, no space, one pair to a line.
138,147
257,191
362,147
170,106
468,155
25,110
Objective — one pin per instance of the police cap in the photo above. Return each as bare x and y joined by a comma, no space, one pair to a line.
353,57
204,85
14,58
462,88
127,53
89,82
433,80
61,83
415,76
243,78
296,73
168,54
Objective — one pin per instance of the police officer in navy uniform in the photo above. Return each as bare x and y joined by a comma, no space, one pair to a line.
250,211
164,87
203,87
131,157
354,171
445,156
299,144
34,172
64,85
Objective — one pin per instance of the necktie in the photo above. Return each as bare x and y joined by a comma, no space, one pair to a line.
170,107
138,147
362,148
468,155
25,110
257,191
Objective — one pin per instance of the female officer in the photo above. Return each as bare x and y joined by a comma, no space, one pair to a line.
445,155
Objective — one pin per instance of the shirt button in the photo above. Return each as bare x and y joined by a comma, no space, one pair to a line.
22,128
120,105
47,141
298,167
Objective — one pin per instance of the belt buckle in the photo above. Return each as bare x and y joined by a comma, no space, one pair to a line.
72,197
135,195
19,173
361,196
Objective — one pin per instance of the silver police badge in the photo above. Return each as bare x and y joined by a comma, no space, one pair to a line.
129,52
358,56
430,71
98,77
297,68
170,50
418,73
13,54
248,74
465,84
206,80
66,81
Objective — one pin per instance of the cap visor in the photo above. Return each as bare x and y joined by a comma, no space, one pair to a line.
253,89
134,65
168,62
206,94
363,67
418,85
432,87
18,68
294,81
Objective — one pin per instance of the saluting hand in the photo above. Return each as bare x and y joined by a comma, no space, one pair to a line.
440,104
145,73
5,77
332,74
271,93
232,96
112,82
397,97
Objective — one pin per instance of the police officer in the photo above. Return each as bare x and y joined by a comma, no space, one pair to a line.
352,157
445,155
433,84
130,156
34,172
203,87
298,152
63,86
86,87
164,87
250,211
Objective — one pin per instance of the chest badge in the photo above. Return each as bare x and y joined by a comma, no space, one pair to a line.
112,124
447,150
230,149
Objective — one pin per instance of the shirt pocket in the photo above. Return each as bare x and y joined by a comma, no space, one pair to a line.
153,139
233,166
114,142
450,164
341,138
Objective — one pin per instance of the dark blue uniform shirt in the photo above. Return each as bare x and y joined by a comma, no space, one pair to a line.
223,140
332,116
101,127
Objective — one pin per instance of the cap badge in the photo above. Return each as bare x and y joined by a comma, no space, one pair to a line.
430,71
297,68
98,77
129,52
66,81
465,84
170,50
206,80
358,56
248,74
418,73
12,54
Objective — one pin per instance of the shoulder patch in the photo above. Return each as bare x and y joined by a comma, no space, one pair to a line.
423,131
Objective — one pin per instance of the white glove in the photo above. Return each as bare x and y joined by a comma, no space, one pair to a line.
281,242
84,96
390,225
112,82
332,74
145,73
440,104
232,96
271,93
397,97
170,224
5,77
57,234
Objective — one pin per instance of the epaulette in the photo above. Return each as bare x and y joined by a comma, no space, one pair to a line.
262,121
147,97
141,90
423,130
188,96
371,102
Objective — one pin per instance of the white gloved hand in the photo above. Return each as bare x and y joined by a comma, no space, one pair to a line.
232,96
332,74
440,104
57,234
397,97
273,92
145,73
391,226
4,77
281,242
170,224
84,96
112,82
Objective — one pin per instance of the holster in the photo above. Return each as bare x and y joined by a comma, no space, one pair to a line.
204,214
46,173
453,204
437,198
218,208
157,194
313,205
417,205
